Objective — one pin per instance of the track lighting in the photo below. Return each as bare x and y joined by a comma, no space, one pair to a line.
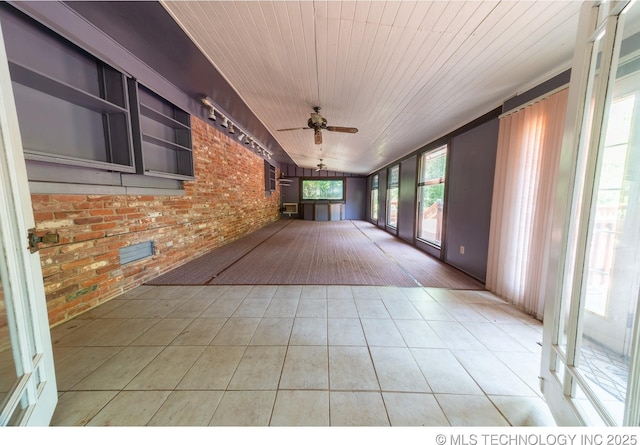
230,126
212,109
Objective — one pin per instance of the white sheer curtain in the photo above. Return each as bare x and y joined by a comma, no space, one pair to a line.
529,145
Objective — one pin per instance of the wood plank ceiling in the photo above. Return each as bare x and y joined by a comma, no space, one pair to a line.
403,72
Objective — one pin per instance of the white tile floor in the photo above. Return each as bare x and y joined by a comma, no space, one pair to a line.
300,355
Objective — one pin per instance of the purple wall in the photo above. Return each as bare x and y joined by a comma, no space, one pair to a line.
355,190
472,158
407,199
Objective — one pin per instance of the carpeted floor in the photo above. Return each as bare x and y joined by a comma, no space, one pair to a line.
205,268
319,252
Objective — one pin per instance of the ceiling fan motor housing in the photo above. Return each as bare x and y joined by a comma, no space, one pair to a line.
317,122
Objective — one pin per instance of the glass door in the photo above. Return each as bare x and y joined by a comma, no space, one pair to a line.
27,381
591,336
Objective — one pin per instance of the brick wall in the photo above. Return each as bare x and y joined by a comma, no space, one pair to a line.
226,201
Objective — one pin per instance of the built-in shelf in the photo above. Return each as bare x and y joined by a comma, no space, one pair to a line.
163,142
36,155
157,116
85,124
164,136
166,175
82,121
42,82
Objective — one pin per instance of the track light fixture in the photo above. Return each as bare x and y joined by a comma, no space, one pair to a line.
212,109
230,126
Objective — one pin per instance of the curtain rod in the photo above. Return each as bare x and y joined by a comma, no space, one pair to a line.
533,101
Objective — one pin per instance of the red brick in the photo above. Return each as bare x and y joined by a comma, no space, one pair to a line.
68,198
126,210
104,226
41,216
88,220
88,236
108,268
213,211
76,263
103,212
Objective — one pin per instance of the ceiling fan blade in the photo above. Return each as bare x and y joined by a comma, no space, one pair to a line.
318,137
297,128
343,129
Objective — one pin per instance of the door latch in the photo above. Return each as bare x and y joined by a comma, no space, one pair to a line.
34,239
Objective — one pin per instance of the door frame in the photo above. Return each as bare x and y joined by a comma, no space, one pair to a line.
35,392
570,215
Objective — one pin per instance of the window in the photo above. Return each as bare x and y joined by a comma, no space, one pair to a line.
431,195
269,177
323,189
590,325
392,196
374,198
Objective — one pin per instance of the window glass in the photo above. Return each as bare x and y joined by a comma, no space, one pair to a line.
322,189
610,283
431,195
392,196
374,198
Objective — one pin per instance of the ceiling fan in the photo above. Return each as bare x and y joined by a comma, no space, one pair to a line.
321,166
317,123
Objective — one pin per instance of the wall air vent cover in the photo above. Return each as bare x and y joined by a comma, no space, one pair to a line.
136,252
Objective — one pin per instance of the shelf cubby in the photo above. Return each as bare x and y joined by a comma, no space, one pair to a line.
164,136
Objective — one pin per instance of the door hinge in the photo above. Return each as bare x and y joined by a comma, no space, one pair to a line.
34,239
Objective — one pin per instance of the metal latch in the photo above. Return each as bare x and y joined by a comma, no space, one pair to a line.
34,239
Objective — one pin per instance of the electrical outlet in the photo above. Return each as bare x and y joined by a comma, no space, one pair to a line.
461,250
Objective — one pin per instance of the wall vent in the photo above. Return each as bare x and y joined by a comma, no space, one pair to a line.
136,252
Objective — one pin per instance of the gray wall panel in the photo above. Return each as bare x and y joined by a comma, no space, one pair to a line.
382,198
407,199
472,160
356,189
